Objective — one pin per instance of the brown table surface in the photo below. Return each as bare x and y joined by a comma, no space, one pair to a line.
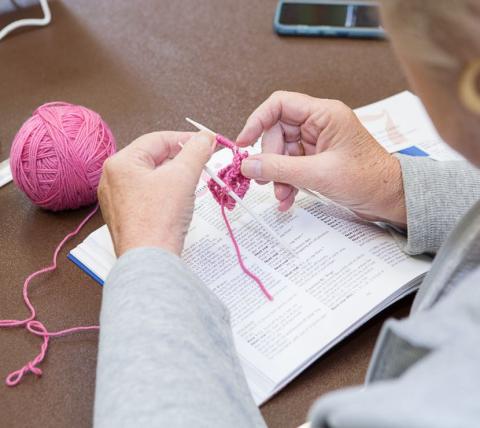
145,66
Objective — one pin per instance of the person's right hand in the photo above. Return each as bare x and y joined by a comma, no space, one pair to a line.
321,145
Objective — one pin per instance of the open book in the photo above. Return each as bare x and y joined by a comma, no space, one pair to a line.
343,270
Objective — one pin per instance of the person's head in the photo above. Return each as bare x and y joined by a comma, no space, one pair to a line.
438,42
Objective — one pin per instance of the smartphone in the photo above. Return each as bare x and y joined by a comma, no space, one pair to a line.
328,18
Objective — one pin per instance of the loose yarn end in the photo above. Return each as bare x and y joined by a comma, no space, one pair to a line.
239,184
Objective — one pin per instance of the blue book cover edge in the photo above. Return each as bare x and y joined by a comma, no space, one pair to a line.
90,273
413,151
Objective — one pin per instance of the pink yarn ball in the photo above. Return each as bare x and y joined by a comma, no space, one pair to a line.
57,155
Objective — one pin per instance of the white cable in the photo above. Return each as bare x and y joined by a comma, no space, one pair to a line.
47,18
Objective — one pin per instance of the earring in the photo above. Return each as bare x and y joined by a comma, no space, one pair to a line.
469,86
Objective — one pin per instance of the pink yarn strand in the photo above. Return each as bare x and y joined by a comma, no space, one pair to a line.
238,183
36,327
240,258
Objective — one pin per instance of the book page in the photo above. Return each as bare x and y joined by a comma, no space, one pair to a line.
339,272
401,121
340,269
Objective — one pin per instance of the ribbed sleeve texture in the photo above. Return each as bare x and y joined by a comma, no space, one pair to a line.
437,195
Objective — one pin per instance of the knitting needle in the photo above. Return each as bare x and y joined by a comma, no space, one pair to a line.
308,192
199,126
241,202
220,182
204,128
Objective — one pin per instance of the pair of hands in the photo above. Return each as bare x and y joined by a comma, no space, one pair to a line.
146,192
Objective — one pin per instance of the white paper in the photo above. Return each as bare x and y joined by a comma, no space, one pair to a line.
401,121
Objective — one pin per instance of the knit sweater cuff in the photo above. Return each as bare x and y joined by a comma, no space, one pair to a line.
437,195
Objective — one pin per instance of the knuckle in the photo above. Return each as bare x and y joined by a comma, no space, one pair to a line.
276,94
102,189
279,94
197,152
339,107
147,136
317,122
280,171
183,167
108,165
143,156
181,173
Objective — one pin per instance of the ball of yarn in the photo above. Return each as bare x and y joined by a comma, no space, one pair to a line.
57,155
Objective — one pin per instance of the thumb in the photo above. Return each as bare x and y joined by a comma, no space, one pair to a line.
299,171
196,152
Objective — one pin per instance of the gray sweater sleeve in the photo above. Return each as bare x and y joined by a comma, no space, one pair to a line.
437,195
431,371
166,355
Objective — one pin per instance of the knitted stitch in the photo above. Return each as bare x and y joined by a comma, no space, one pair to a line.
239,184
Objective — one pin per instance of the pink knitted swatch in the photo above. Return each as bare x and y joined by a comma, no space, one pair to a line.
239,184
37,327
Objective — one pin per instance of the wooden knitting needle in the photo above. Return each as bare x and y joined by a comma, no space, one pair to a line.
241,202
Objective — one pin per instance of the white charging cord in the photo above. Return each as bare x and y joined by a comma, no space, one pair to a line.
47,18
5,173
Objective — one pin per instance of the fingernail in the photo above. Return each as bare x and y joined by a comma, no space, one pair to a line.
252,168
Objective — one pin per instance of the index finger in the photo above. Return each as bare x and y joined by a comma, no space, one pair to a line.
155,147
289,107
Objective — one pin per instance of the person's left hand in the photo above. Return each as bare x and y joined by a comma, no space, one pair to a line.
146,191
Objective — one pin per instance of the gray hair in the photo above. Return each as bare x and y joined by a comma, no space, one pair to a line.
438,42
444,34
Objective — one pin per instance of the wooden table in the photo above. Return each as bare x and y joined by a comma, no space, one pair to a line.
145,66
